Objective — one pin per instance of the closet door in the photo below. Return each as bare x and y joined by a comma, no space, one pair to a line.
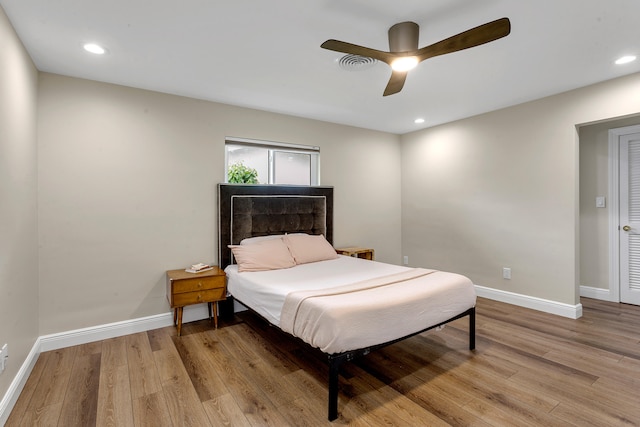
630,218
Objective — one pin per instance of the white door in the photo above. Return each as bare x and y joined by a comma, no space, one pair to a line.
629,225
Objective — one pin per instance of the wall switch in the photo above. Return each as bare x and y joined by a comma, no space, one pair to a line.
4,355
601,202
405,260
506,273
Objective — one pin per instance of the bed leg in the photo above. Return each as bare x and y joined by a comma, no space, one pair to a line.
334,371
472,329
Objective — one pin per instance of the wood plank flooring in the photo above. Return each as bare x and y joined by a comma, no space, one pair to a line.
529,369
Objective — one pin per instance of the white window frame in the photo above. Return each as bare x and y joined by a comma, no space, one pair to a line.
272,148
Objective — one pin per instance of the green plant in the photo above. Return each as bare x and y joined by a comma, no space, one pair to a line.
241,174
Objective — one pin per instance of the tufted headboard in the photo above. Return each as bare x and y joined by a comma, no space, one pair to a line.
247,210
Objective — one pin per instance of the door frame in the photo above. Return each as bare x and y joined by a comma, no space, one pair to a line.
614,208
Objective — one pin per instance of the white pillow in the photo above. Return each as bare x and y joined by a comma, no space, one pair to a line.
271,254
306,248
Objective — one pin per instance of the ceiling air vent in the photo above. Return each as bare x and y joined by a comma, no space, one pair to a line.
352,62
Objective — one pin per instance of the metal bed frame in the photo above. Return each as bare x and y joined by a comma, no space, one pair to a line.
256,204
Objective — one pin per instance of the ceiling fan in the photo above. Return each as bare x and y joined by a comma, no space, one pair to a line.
404,54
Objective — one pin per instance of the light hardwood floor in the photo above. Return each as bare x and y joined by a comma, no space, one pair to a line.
529,369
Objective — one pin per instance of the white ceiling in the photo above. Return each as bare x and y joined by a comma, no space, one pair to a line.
266,54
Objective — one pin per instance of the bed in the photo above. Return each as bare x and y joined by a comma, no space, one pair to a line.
275,246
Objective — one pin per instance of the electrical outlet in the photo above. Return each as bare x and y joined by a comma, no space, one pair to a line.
4,355
405,260
506,273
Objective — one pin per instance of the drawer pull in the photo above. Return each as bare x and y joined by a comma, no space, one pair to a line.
199,284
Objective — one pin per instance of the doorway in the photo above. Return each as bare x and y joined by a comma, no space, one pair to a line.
599,210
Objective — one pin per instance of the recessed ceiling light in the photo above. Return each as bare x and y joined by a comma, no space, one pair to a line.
94,48
418,121
625,59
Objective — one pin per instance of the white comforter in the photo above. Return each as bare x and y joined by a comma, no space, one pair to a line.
349,303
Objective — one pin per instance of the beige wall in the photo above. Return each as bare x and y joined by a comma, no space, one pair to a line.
500,190
127,182
594,181
18,193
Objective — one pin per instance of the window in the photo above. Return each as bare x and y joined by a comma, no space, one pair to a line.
274,162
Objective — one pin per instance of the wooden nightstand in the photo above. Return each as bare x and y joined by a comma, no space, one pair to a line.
365,253
195,288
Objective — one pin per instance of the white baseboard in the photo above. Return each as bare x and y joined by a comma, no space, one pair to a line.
103,332
597,293
15,388
87,335
117,329
534,303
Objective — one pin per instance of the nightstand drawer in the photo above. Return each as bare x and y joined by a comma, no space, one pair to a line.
188,298
198,284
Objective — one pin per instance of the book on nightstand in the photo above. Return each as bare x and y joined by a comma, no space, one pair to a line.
198,268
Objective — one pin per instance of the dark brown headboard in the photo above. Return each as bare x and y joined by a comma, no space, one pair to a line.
246,210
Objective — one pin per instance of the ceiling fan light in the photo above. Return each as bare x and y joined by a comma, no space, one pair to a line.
404,63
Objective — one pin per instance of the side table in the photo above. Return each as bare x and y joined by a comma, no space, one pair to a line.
365,253
195,288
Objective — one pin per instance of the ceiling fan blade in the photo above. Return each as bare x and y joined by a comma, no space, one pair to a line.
474,37
344,47
396,82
